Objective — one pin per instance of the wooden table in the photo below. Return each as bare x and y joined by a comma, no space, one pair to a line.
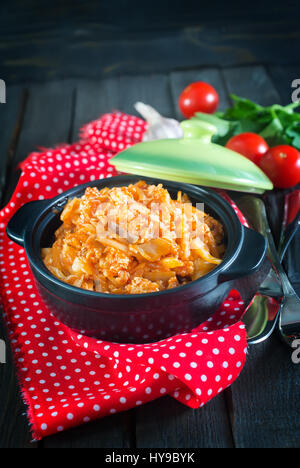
262,408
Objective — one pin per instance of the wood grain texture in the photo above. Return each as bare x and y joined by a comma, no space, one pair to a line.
166,423
124,17
265,407
283,78
14,426
251,82
111,432
10,124
97,42
47,122
13,422
265,399
95,97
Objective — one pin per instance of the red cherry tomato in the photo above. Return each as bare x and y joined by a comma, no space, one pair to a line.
250,145
282,166
198,97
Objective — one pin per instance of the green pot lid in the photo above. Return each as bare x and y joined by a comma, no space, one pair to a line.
194,160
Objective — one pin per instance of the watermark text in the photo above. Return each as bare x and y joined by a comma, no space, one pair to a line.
296,353
134,221
2,352
2,92
296,93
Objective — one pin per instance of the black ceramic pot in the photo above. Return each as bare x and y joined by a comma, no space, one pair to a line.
136,318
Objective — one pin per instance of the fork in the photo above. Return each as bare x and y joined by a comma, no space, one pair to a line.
289,318
279,299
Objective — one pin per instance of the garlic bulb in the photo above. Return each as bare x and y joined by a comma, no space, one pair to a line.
159,127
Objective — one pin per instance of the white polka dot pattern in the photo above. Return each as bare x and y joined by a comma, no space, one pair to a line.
68,379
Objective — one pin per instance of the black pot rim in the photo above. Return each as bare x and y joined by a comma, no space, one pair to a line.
59,201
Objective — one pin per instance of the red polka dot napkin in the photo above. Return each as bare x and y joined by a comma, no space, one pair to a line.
68,379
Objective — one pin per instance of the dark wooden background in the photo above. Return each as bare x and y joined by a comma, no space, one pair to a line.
66,65
41,40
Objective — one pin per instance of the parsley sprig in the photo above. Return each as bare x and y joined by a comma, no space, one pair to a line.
276,124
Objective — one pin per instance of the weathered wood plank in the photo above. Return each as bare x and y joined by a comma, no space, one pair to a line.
111,432
168,424
283,78
14,428
86,41
252,83
10,123
14,431
47,121
97,97
116,17
264,399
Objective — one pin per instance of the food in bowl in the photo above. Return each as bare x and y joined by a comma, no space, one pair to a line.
133,239
138,318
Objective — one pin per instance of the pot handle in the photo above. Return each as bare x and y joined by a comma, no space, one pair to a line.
250,258
24,217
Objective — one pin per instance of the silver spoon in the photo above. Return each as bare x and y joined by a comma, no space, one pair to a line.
289,318
276,296
262,314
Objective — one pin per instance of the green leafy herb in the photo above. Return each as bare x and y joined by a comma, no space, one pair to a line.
276,124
